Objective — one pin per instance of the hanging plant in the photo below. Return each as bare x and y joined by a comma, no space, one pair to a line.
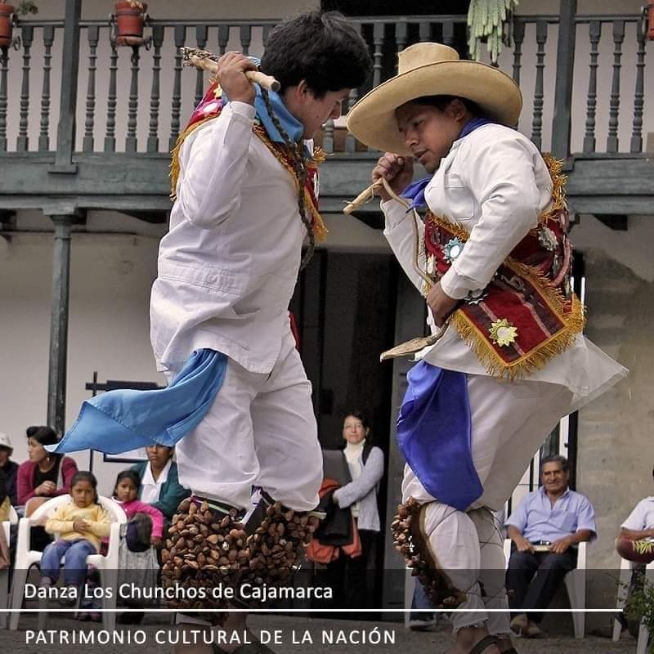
486,24
7,13
130,20
649,14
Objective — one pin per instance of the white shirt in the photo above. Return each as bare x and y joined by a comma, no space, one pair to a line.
151,489
495,183
353,455
229,264
642,517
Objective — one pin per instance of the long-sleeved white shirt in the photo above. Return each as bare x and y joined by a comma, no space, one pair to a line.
229,264
494,183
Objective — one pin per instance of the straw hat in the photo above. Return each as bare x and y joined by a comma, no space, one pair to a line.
5,442
431,69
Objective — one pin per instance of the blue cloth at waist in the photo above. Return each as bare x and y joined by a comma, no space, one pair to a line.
433,434
123,420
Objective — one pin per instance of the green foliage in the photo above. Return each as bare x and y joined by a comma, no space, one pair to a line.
25,7
486,21
640,605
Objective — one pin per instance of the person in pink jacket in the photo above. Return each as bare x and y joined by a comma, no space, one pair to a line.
44,475
126,494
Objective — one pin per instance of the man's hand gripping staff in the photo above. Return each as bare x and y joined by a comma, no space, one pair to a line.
392,174
226,67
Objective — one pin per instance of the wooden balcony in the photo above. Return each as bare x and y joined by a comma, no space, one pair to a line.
97,134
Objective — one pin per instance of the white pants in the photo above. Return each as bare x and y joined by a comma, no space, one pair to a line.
509,421
260,431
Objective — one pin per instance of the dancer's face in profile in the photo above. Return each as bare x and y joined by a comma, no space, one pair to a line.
311,110
429,132
353,430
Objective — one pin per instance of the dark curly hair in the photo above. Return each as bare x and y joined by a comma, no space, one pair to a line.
322,48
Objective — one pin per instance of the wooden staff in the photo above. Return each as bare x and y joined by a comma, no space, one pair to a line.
207,60
363,197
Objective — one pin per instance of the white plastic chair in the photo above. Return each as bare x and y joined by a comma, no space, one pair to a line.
623,587
575,584
106,565
4,574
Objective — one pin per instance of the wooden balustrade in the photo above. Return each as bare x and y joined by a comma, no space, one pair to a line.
137,99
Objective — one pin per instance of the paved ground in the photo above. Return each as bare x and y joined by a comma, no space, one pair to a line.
295,635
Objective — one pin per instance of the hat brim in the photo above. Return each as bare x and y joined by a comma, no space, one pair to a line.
372,119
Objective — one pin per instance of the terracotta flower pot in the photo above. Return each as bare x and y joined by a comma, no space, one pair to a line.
6,26
129,20
650,20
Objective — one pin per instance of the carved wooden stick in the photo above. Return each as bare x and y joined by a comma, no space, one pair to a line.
206,60
362,198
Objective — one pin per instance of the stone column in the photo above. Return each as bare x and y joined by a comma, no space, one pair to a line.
59,321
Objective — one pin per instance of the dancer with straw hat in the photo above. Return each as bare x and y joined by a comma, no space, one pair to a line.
507,359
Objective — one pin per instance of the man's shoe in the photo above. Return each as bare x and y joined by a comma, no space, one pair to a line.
426,624
519,624
533,630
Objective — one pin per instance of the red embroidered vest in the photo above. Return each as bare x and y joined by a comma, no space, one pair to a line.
528,313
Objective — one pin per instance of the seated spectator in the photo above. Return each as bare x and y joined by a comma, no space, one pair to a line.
636,538
45,475
79,526
9,468
125,492
138,562
159,480
5,503
545,529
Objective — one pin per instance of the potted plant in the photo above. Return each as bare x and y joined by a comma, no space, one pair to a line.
130,19
640,607
649,13
486,22
7,13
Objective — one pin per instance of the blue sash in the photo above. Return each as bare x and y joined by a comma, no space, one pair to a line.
123,420
433,434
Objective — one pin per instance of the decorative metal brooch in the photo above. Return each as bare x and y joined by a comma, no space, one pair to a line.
503,333
453,249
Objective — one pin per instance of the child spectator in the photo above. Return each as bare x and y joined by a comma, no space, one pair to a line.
79,526
126,494
138,561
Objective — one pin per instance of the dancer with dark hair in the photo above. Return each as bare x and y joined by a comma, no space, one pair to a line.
239,402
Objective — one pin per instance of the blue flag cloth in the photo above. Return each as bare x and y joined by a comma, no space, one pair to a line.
415,192
291,125
433,434
123,420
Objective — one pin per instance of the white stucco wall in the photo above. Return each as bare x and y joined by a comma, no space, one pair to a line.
109,326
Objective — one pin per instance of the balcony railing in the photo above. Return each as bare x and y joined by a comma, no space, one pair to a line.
136,100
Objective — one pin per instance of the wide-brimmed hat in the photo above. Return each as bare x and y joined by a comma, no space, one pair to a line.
426,69
5,442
